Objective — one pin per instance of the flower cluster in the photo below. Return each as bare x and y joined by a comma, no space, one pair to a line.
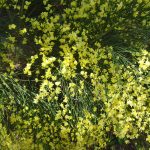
91,90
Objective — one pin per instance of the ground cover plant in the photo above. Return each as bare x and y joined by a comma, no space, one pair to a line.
74,74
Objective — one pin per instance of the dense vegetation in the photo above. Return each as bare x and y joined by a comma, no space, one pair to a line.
75,74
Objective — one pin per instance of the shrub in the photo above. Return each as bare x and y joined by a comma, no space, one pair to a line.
91,62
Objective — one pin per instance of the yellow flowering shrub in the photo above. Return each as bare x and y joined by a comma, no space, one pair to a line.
91,67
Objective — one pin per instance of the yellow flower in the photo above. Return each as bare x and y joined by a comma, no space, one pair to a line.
23,31
148,138
12,26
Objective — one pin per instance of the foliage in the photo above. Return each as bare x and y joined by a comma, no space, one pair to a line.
90,61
